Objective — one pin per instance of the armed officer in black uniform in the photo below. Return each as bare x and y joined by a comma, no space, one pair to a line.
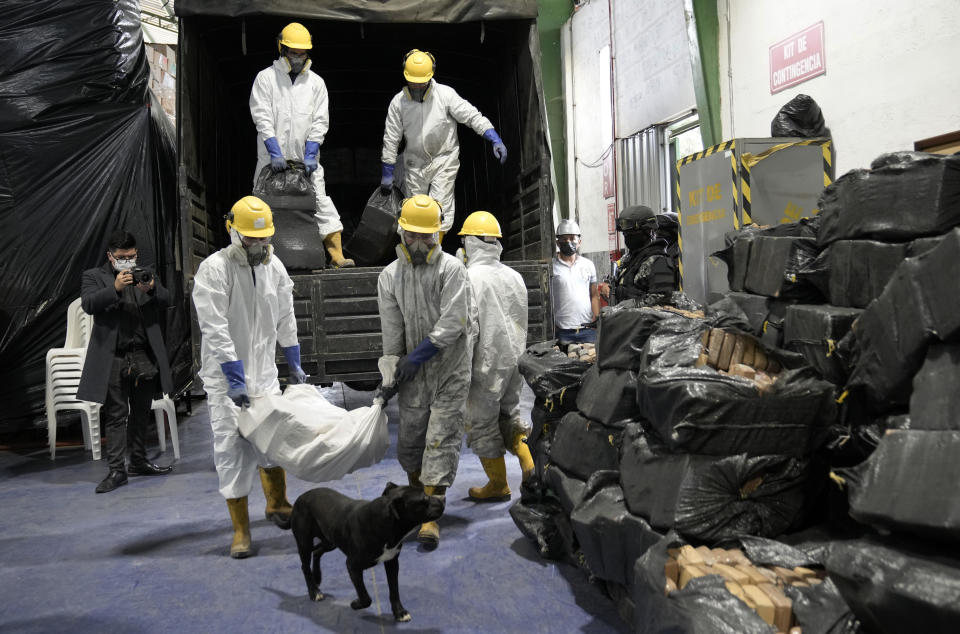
649,270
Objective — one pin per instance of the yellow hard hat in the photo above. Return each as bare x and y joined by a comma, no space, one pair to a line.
251,217
481,223
295,35
418,66
420,214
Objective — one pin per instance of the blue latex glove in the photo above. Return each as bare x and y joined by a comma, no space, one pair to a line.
236,383
311,150
499,149
277,162
296,374
408,366
386,178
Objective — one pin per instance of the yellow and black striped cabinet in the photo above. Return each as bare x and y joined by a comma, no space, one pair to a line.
738,182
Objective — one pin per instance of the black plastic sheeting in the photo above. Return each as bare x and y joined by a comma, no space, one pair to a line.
909,484
582,446
765,315
543,521
568,489
935,402
855,272
799,117
622,331
610,537
85,150
774,266
376,234
896,588
704,606
905,195
814,330
296,240
709,498
551,374
609,396
363,10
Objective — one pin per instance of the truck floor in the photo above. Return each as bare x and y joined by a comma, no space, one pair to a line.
152,556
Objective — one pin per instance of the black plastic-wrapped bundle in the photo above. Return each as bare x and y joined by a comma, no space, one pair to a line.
897,587
296,240
860,269
907,195
891,340
622,330
799,117
698,410
736,255
546,524
551,374
774,266
935,402
709,498
910,484
567,488
544,420
608,396
704,606
582,446
814,330
610,537
376,234
939,272
764,314
290,188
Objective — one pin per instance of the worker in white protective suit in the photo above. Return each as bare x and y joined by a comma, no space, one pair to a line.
290,107
424,315
499,297
426,113
244,302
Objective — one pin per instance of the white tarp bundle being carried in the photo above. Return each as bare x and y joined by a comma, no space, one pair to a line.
312,439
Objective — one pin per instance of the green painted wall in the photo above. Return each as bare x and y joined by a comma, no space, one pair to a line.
553,14
708,96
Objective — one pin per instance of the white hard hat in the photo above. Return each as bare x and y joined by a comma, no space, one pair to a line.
568,226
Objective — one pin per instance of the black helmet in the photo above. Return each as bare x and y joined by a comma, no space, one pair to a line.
636,217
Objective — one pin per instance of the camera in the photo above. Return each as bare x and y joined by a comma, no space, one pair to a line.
141,275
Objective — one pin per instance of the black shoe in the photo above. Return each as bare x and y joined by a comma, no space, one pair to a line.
113,480
147,468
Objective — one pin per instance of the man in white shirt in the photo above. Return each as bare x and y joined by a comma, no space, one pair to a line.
576,301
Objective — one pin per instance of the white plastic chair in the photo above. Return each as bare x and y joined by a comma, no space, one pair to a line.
64,366
166,406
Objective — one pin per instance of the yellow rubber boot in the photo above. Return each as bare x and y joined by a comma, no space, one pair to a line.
521,450
335,249
274,483
413,478
496,490
429,534
240,546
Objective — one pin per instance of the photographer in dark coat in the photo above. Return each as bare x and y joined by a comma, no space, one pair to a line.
126,364
649,270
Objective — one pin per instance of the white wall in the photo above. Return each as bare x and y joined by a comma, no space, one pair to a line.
891,70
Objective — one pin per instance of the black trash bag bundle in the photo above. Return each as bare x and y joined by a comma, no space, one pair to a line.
289,189
709,498
935,402
775,263
891,338
764,315
922,245
622,330
582,446
546,524
939,272
551,374
609,396
855,272
904,196
895,587
372,242
704,606
847,446
568,489
799,117
814,330
820,609
736,255
909,484
610,537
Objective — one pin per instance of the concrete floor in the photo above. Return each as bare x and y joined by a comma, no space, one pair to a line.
152,556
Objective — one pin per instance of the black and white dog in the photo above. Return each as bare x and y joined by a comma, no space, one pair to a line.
367,532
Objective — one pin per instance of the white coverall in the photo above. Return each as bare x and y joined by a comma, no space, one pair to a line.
240,320
429,300
294,112
499,297
432,155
